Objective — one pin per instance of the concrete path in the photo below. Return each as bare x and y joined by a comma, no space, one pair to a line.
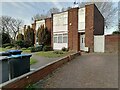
86,71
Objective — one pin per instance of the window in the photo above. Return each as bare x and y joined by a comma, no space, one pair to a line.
55,39
60,38
65,38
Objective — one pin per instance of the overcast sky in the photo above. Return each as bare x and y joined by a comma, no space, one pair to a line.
25,10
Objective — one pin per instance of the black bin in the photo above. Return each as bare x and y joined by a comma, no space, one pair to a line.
4,69
19,65
5,54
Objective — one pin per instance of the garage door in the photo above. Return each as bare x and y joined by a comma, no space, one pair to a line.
99,43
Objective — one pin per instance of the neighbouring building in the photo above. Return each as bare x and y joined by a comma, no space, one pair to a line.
79,29
47,23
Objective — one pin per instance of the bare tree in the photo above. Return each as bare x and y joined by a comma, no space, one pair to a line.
43,16
107,9
39,17
10,25
69,8
63,9
52,11
4,25
15,25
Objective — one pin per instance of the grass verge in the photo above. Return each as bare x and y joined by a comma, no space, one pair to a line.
32,61
2,49
52,54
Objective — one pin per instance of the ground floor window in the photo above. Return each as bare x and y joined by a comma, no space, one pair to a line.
60,38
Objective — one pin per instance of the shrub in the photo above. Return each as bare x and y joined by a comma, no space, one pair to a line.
33,49
58,52
29,36
116,32
5,38
5,45
39,48
27,44
36,49
20,37
24,48
29,48
44,36
64,49
8,47
47,48
20,43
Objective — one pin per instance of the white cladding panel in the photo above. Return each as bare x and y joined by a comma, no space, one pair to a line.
60,22
99,43
81,19
59,46
39,23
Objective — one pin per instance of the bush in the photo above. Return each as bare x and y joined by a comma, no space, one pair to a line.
116,32
39,48
8,47
58,52
5,38
20,43
20,37
29,48
7,44
24,48
33,49
36,49
27,44
47,48
29,36
64,49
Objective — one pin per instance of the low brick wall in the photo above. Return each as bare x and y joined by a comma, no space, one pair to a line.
111,43
35,76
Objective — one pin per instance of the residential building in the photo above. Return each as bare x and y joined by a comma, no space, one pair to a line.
79,29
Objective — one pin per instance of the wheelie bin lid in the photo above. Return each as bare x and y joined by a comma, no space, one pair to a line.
20,56
12,51
4,53
3,58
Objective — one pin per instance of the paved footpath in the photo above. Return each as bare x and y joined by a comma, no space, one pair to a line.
94,70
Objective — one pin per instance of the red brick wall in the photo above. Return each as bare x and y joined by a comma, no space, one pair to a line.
94,25
73,29
37,75
98,22
48,24
52,30
111,43
89,26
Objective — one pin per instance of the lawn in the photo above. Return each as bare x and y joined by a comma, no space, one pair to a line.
32,61
49,54
2,49
24,50
52,54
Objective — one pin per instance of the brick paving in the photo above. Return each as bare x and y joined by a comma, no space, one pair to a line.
93,70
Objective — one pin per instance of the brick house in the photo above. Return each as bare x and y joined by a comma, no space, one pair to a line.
76,29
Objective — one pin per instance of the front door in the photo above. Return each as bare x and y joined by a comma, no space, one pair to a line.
82,42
